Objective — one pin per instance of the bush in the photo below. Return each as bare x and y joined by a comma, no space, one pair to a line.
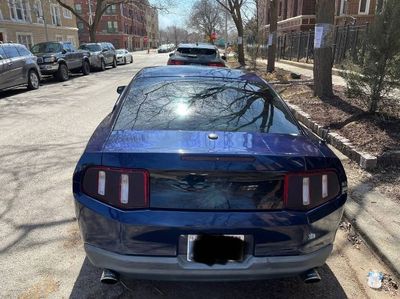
378,73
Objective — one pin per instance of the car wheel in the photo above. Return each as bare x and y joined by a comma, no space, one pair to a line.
114,65
85,68
102,65
62,73
124,60
33,80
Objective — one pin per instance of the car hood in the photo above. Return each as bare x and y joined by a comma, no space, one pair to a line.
199,142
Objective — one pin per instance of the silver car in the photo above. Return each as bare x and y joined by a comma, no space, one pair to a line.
18,66
123,56
101,55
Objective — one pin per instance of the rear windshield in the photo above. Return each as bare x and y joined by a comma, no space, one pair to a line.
47,48
196,51
91,48
203,105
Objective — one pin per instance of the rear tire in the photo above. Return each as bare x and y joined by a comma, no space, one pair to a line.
85,68
33,80
62,73
114,64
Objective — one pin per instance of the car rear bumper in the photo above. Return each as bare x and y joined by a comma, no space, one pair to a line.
178,268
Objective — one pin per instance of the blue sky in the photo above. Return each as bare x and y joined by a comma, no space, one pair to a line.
176,15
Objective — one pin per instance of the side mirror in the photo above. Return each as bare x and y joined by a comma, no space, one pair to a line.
120,89
64,51
223,57
104,50
170,54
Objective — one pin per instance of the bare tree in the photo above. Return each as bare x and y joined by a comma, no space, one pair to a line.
325,14
206,17
234,8
272,39
100,7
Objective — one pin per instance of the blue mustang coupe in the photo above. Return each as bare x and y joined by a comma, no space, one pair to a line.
202,173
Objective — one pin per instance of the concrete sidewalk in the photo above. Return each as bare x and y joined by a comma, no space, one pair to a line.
303,69
376,218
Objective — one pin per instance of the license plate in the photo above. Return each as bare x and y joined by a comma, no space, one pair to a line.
215,249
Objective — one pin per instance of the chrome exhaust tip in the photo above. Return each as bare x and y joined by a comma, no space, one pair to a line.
109,277
311,276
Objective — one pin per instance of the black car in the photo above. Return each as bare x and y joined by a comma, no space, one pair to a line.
196,54
60,58
18,67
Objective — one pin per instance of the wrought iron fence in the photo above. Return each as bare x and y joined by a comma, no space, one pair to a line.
299,46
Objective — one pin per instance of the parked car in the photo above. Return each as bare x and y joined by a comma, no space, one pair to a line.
166,48
18,66
123,56
101,55
198,54
61,58
203,173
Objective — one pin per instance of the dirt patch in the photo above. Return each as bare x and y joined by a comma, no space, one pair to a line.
73,237
41,289
371,133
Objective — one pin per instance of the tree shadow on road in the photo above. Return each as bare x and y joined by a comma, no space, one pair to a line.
88,285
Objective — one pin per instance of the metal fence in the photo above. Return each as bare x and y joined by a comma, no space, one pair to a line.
299,46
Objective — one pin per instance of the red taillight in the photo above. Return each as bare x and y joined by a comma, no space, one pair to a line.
306,190
218,64
175,62
122,188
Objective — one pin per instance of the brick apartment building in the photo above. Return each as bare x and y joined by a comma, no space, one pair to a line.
299,15
125,25
33,21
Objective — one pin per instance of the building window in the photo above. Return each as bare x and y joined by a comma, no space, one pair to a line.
78,8
342,7
37,8
67,13
112,26
25,39
20,10
364,7
80,25
55,15
111,10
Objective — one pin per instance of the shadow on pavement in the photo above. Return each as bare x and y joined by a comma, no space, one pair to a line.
88,285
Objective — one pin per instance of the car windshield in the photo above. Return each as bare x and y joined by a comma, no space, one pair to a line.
120,51
203,104
46,48
196,51
91,48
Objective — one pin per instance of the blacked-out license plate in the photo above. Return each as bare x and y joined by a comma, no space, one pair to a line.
215,249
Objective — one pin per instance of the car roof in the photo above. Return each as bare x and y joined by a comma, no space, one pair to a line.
199,46
198,71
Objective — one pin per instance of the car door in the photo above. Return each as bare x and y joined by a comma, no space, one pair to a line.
3,68
106,53
76,56
15,65
69,56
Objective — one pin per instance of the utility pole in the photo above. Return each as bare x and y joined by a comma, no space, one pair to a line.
272,36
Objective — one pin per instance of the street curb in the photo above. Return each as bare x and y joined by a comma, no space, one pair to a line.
365,160
385,245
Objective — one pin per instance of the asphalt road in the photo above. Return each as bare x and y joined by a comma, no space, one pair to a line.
42,135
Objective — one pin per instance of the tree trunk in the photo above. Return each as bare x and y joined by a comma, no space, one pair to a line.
273,27
241,58
92,33
325,14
